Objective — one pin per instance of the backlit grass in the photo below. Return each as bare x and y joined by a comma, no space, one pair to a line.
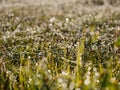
59,46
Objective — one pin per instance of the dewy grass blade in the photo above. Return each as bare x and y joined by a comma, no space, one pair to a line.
80,49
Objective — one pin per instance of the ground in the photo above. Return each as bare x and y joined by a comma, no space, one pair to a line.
59,44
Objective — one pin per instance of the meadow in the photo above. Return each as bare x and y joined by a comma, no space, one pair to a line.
59,45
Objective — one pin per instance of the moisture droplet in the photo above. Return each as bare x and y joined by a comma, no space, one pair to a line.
67,20
87,81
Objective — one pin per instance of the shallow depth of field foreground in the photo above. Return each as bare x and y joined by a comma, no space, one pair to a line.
59,45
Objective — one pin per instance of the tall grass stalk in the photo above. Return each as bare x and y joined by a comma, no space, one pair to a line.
80,50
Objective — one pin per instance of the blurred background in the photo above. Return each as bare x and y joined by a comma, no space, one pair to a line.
83,2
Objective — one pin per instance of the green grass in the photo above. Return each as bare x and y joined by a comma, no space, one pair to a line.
64,49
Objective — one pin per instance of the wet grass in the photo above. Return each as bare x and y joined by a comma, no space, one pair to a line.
42,49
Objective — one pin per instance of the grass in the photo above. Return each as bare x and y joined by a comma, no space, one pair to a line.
58,46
